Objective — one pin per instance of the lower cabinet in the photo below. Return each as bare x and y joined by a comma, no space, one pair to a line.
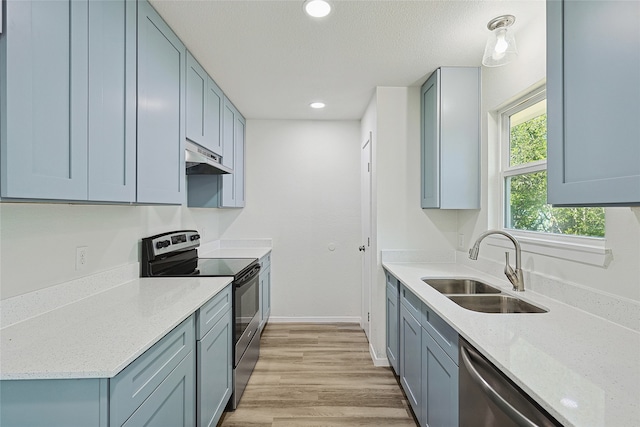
185,379
171,404
392,323
411,360
265,290
428,364
157,372
439,385
215,381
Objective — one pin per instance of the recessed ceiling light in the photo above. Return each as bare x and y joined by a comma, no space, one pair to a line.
317,8
317,105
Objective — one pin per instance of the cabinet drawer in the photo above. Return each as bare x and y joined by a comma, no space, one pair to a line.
392,283
173,402
212,311
441,332
411,302
137,381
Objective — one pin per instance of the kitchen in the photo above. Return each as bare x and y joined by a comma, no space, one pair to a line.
319,208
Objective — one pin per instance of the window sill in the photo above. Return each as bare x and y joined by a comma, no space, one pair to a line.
585,250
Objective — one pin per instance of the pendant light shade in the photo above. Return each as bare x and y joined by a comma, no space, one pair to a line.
501,45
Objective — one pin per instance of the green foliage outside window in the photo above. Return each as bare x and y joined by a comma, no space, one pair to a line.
527,193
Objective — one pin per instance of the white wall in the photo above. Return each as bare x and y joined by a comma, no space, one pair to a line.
400,222
38,241
303,191
500,85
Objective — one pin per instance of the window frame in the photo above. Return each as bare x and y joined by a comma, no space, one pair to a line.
584,249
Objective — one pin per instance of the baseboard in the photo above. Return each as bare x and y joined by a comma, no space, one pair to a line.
327,319
378,361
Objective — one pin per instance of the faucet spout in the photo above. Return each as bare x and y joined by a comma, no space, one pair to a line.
515,276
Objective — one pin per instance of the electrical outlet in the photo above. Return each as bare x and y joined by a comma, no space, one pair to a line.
81,257
461,241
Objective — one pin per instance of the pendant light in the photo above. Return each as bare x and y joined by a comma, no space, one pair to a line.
501,45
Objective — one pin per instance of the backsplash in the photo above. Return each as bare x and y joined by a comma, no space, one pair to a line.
32,304
622,311
616,309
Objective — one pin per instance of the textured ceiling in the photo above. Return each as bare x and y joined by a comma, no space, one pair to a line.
272,60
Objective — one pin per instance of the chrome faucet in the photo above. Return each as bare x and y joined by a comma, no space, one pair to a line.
515,276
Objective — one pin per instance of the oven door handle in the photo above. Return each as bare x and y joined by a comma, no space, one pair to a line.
495,397
248,277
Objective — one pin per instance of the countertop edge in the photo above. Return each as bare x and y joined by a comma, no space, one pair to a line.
442,306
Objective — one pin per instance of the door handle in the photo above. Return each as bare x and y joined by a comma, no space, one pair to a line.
361,248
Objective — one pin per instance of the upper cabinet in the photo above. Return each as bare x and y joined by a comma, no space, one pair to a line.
112,101
94,97
204,108
44,79
161,110
450,139
233,140
593,126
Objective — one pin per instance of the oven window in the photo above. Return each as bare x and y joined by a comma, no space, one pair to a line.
246,305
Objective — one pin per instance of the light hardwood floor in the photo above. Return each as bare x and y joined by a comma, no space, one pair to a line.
312,375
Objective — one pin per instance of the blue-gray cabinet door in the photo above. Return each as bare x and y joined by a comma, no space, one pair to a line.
239,164
430,142
593,103
161,118
44,77
410,359
233,140
196,89
215,364
112,101
265,295
214,100
450,139
393,314
228,198
439,385
204,101
173,402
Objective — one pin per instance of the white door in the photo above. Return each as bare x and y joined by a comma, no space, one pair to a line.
365,248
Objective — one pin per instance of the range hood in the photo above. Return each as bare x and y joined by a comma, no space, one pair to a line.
201,161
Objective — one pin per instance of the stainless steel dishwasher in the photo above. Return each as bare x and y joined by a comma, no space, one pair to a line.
489,399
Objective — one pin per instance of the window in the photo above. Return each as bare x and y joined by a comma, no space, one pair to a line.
524,175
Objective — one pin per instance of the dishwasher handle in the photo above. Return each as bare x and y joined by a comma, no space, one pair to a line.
495,397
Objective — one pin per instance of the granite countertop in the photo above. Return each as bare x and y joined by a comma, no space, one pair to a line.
98,336
581,368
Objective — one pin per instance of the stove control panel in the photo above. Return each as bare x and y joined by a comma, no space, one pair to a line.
175,241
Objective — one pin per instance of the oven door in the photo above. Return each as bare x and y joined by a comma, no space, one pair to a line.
246,310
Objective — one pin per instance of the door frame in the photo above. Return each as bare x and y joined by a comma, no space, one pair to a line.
366,234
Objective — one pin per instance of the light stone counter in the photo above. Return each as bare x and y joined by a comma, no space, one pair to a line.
98,336
581,368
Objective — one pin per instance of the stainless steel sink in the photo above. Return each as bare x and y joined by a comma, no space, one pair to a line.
460,286
495,304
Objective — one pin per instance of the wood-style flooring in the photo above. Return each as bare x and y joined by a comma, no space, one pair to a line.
312,375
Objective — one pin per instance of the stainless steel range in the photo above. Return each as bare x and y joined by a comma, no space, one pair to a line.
175,254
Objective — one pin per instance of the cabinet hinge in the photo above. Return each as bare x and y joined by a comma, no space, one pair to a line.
368,317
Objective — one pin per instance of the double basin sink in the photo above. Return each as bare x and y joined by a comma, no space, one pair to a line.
478,296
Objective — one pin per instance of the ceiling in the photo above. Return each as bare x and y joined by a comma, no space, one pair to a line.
272,60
